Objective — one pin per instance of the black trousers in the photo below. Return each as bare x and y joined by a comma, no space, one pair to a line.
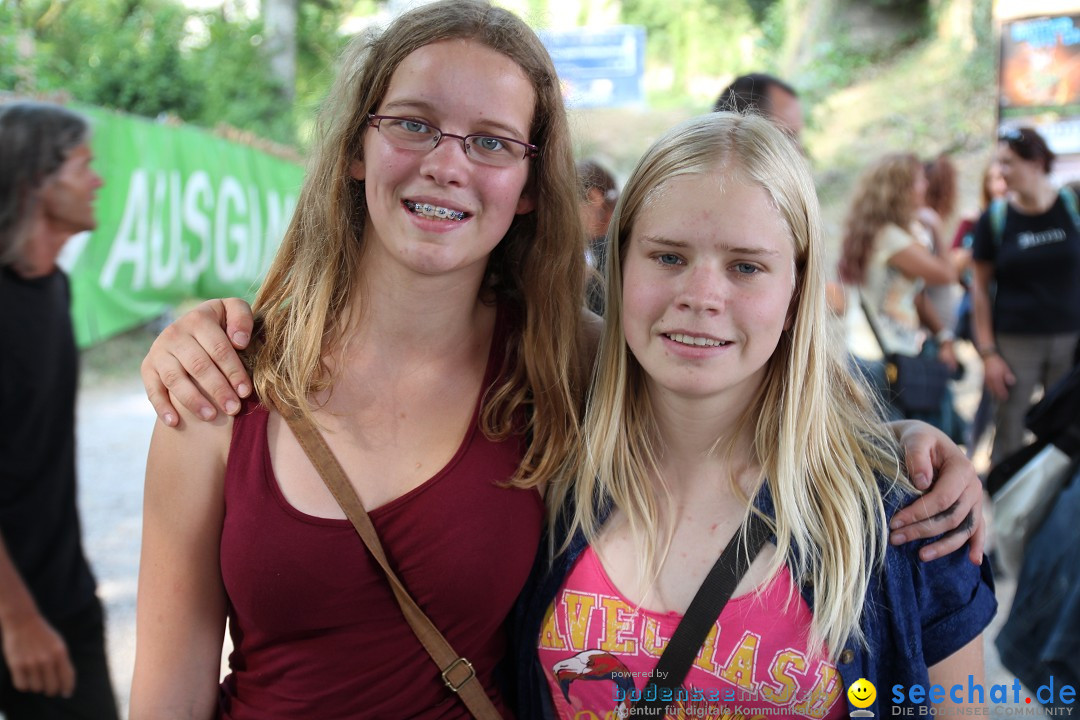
93,699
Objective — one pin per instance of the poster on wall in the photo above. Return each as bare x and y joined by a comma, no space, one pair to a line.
1039,78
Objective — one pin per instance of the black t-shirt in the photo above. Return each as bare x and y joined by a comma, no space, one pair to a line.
38,378
1036,270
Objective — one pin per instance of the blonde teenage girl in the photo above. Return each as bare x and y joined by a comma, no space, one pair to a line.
717,396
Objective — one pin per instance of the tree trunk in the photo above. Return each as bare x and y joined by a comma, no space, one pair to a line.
807,22
955,21
279,21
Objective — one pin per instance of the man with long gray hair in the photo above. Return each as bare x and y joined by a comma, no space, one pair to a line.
51,623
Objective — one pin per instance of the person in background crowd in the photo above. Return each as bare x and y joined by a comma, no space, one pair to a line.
992,188
53,664
939,301
598,195
938,214
886,254
765,94
779,102
1028,249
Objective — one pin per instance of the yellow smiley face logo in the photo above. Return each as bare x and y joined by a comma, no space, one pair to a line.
862,693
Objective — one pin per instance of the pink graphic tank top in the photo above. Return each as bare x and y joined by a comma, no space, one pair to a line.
598,651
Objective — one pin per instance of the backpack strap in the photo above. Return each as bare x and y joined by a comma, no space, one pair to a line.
1068,196
998,208
458,674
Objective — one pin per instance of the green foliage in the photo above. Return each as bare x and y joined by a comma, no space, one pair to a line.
318,46
773,26
9,58
537,13
116,53
157,57
838,61
982,21
912,7
694,37
980,70
236,87
836,64
762,9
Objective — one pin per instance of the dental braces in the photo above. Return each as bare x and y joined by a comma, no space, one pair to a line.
432,211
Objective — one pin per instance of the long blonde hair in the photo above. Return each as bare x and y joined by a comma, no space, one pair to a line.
883,195
816,433
536,272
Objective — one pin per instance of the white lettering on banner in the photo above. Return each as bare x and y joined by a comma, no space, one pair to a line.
163,264
253,254
173,232
126,247
232,193
198,197
278,215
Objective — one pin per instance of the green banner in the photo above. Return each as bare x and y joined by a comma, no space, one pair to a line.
183,214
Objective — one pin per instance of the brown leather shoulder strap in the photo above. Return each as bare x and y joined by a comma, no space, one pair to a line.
457,672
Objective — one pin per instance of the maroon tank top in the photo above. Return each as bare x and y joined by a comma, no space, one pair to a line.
316,630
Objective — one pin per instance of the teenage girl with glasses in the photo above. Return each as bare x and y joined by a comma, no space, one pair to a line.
401,313
426,309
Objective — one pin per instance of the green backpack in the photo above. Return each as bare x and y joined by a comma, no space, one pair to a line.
999,207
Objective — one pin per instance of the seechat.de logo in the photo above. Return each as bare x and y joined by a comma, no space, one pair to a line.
862,694
977,696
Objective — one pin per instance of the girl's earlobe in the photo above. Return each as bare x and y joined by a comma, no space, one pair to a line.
527,202
356,169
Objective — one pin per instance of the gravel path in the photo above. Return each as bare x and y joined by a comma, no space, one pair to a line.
114,426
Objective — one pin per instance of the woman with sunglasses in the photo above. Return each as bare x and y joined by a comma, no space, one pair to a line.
1027,248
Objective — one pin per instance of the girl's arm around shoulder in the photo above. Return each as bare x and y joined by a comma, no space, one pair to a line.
181,600
953,598
950,507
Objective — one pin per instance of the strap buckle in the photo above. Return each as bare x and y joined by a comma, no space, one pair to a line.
456,686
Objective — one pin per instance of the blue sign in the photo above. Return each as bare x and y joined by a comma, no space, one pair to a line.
601,67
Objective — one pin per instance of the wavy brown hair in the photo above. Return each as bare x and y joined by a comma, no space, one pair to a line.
536,272
882,196
941,186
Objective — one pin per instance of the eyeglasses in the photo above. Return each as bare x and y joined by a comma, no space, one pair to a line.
412,134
